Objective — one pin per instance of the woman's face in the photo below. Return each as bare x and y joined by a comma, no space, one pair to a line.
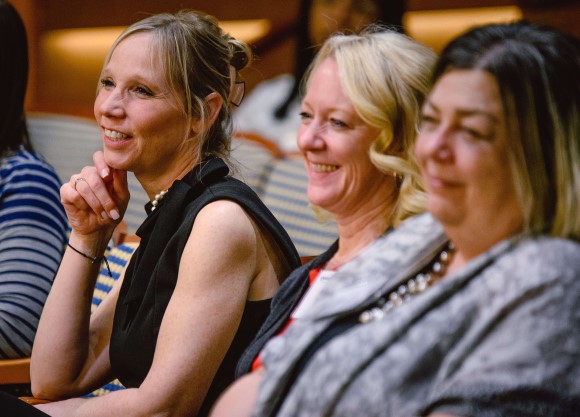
462,153
329,16
335,143
142,123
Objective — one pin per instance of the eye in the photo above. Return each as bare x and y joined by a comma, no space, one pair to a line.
337,123
305,115
143,91
105,82
428,122
475,134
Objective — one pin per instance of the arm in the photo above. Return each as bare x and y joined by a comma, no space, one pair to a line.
70,354
217,269
239,399
32,234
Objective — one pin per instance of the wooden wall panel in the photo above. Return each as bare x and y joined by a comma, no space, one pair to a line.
54,92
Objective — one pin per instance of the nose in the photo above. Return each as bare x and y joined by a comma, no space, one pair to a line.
309,136
435,143
110,102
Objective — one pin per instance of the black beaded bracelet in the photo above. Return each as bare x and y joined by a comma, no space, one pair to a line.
92,259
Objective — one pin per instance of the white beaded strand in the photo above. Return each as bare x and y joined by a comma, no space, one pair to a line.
157,199
410,289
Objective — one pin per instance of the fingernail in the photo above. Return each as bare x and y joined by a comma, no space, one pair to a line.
104,172
104,215
114,214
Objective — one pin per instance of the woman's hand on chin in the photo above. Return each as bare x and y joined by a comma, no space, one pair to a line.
96,198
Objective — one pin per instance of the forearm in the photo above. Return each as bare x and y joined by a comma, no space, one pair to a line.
132,402
64,346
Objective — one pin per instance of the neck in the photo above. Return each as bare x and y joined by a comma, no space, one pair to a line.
358,231
153,184
471,242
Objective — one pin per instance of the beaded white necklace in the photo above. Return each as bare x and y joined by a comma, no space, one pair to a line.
157,199
411,288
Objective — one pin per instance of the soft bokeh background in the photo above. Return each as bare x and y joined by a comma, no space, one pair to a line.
68,38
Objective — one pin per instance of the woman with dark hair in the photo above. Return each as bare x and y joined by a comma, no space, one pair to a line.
472,308
272,108
32,219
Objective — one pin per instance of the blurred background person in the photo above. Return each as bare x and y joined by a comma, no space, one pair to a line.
472,308
32,220
272,108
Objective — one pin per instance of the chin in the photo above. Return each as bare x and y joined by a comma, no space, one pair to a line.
444,212
115,161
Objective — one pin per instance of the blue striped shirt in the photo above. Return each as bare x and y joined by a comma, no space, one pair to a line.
32,237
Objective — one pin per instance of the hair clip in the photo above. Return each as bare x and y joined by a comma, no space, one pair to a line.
237,93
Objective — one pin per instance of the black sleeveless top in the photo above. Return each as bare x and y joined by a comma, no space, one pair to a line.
151,275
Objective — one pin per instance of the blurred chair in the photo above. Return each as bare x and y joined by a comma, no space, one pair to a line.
15,376
253,156
66,142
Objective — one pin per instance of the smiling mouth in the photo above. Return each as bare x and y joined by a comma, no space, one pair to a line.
438,182
113,134
323,167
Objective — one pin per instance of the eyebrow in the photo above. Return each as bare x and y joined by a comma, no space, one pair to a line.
467,112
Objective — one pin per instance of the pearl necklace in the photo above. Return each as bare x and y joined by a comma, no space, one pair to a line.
411,288
157,199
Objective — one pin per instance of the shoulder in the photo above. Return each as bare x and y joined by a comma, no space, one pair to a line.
223,211
403,245
224,220
25,165
223,242
550,250
540,261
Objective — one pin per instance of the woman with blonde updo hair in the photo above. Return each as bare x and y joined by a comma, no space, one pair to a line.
211,255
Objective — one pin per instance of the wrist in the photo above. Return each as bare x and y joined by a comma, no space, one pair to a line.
93,245
92,259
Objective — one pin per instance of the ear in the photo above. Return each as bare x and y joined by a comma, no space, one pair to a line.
214,105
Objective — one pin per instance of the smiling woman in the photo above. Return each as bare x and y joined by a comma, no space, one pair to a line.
143,122
462,151
211,255
358,125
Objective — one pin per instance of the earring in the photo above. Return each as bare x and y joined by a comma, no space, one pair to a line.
398,179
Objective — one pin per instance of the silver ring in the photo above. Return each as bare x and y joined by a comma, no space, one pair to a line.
77,180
